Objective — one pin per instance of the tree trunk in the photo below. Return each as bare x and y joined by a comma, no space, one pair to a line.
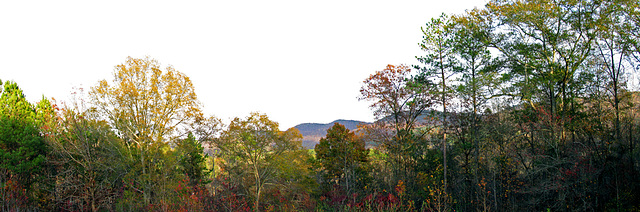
258,186
444,121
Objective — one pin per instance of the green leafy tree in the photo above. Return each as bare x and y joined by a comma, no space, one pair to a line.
630,27
478,83
439,66
613,49
191,160
22,147
546,44
552,54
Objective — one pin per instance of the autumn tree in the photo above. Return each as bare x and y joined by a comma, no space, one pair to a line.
148,108
343,157
205,130
397,100
395,96
253,147
90,161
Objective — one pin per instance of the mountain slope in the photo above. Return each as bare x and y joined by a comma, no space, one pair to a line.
312,132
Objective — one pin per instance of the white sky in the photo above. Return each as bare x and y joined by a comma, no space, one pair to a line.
297,61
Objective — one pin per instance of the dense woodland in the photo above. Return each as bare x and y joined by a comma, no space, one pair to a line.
527,105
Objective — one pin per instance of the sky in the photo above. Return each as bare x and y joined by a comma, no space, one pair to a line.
296,61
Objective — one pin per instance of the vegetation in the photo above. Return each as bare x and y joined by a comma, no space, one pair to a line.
520,105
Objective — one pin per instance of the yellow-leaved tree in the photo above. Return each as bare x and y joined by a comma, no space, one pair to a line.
148,108
256,150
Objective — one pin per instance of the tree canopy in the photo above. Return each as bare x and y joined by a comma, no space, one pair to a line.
521,105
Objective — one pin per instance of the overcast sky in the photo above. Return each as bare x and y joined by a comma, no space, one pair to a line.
297,61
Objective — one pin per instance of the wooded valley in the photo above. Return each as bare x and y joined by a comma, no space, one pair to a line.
522,105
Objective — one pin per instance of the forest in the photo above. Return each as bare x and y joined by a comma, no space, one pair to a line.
521,105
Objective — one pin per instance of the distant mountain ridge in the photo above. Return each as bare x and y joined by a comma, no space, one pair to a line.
312,132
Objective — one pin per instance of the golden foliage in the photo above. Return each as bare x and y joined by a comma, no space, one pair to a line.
145,103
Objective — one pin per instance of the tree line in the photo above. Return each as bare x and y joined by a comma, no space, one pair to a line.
519,105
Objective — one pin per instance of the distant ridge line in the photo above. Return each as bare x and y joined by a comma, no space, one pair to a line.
312,132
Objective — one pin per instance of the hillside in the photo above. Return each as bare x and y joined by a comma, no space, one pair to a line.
312,132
